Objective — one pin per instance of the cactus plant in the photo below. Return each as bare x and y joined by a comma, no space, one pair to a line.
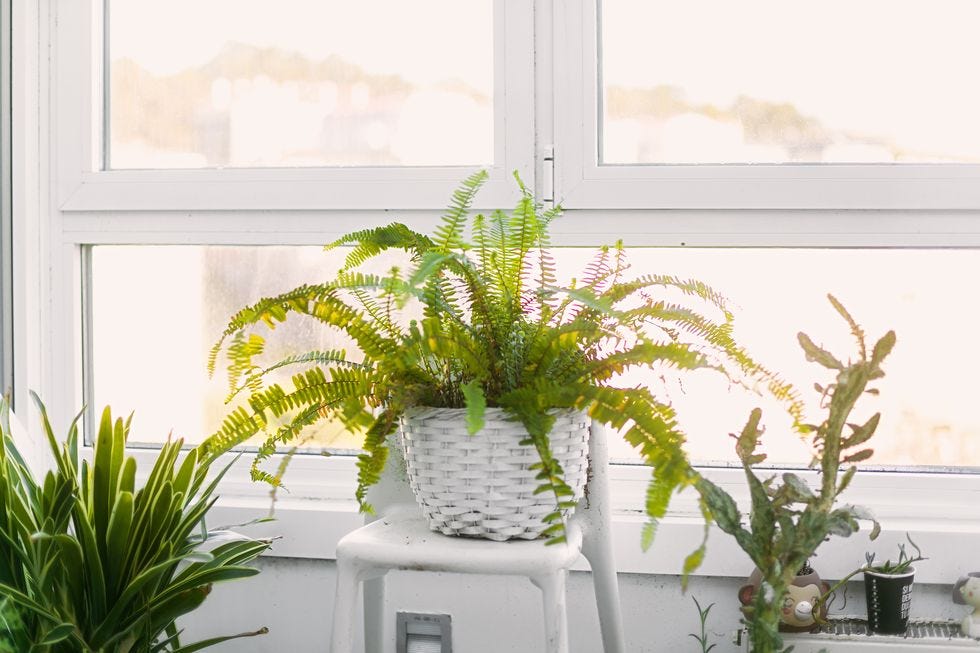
789,520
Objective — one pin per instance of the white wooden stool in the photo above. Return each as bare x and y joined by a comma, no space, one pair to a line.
400,539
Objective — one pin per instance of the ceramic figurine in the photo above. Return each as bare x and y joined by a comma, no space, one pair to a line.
797,609
967,592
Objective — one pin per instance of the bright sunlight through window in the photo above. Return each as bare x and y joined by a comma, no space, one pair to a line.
187,295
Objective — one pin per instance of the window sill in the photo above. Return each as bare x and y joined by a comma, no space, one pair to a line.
309,528
938,510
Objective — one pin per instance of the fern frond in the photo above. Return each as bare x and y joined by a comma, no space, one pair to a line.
480,298
268,310
548,344
665,315
547,268
371,463
583,303
237,427
500,285
481,241
532,409
380,314
448,235
598,269
321,302
689,287
654,432
720,338
241,351
310,388
372,242
673,355
330,357
525,233
283,435
620,262
440,297
453,344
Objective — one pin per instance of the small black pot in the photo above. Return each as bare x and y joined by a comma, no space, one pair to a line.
889,598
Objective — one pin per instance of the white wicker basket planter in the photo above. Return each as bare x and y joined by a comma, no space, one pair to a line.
482,485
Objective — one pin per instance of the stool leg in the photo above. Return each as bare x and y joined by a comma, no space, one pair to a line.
374,604
345,599
555,619
606,586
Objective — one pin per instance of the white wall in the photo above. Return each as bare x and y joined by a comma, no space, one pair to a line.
294,598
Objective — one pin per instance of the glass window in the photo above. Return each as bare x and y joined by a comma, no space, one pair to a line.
768,81
927,409
166,306
234,83
185,294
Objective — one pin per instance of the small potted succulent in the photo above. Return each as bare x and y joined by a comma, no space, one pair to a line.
501,357
888,589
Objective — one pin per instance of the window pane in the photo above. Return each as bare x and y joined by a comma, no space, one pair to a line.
927,399
769,81
157,310
248,83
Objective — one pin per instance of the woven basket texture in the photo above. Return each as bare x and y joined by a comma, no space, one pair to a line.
482,485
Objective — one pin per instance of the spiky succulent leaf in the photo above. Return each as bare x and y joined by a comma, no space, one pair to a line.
93,561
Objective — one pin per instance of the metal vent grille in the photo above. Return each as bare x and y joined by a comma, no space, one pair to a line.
423,644
423,633
916,629
851,635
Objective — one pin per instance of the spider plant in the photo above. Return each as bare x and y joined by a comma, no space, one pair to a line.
496,329
91,562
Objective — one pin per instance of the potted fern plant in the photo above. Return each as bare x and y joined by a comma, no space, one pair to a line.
500,349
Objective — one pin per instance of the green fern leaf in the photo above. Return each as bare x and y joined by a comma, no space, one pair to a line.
372,242
449,233
476,405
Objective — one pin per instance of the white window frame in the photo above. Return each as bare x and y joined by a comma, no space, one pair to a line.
63,202
6,230
582,183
